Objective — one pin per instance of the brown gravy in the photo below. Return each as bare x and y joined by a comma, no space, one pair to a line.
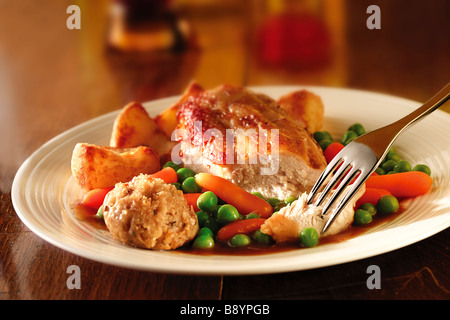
221,248
87,215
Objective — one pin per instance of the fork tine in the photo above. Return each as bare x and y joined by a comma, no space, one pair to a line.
347,197
323,177
350,175
338,176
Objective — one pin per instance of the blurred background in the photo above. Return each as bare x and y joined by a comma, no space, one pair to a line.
141,50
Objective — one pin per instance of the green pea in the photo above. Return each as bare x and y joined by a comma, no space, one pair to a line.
279,206
240,240
261,237
99,213
362,217
369,207
226,214
387,204
322,135
207,201
202,217
289,200
392,155
203,242
184,173
252,216
190,186
402,166
388,165
214,212
273,201
380,171
177,185
348,141
205,231
172,165
211,223
357,128
324,144
348,137
423,168
258,194
309,237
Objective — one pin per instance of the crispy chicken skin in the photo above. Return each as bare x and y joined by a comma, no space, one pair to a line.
167,119
304,106
294,161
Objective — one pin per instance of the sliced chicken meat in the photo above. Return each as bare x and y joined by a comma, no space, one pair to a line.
286,225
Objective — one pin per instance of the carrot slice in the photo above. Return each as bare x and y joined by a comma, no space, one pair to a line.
242,200
168,174
241,226
94,198
402,185
372,195
191,199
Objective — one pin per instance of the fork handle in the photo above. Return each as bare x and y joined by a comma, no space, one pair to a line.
378,138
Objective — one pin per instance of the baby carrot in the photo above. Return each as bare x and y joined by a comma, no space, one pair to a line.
242,200
168,174
402,185
371,195
241,226
94,198
191,199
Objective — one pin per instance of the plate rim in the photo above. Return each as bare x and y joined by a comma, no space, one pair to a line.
24,169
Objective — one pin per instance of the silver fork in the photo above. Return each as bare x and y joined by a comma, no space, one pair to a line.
360,158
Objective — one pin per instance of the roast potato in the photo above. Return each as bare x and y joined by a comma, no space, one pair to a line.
101,167
134,127
167,120
305,107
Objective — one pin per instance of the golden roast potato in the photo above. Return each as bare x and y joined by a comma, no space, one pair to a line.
134,127
101,167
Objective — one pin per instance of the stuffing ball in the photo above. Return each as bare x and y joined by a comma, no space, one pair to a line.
149,213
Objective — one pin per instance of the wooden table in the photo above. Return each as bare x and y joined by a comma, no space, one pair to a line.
53,78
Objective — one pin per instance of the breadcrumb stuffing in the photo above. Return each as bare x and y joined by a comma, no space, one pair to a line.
149,213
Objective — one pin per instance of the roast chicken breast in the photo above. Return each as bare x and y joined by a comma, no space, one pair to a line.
304,106
247,138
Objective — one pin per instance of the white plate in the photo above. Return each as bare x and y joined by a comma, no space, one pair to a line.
43,191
